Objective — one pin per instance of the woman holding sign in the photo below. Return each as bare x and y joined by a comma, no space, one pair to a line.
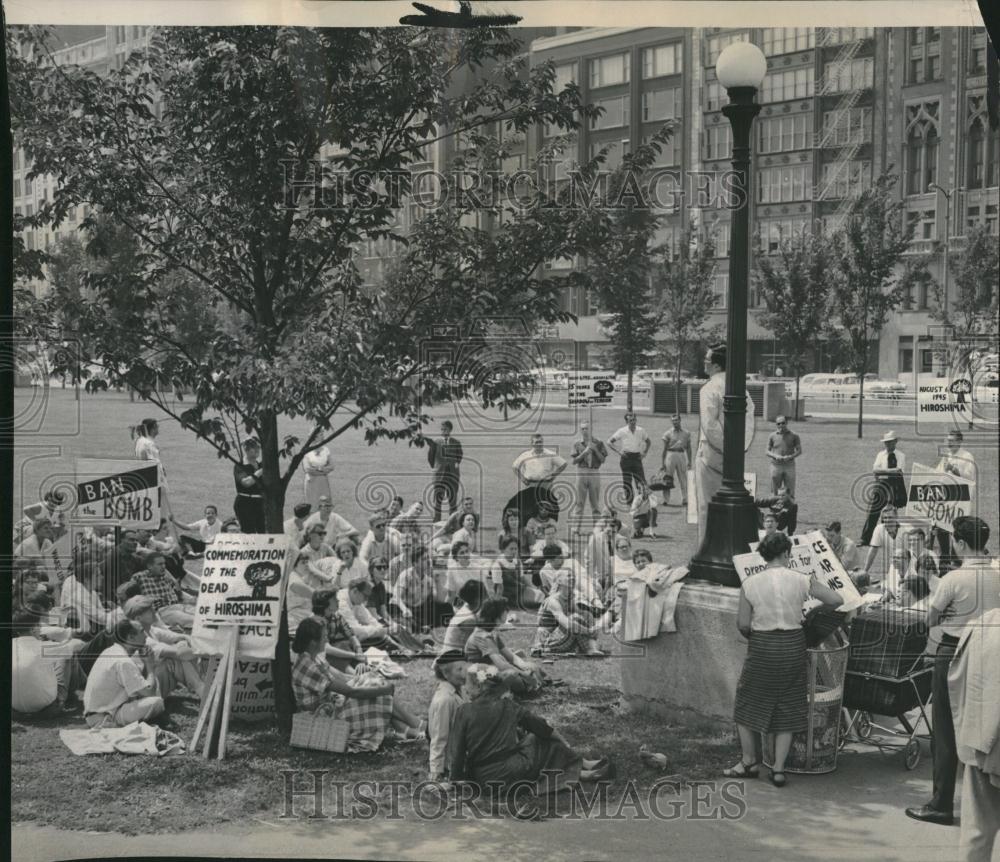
772,694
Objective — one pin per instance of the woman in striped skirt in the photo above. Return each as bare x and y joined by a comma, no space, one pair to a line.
772,695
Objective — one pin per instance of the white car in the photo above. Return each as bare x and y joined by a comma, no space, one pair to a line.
638,384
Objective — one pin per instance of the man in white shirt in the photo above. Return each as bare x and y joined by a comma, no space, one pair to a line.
79,596
174,661
959,462
121,688
631,443
708,460
963,595
39,546
889,535
207,529
379,542
890,489
449,668
536,470
334,524
295,527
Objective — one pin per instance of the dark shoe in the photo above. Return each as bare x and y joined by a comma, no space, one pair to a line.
931,815
778,779
742,770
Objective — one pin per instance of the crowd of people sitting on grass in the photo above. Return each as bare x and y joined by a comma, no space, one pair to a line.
113,632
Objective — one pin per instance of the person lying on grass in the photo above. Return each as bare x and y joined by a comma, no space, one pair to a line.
365,701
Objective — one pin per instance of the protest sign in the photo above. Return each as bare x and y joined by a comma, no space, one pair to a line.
243,582
943,398
253,690
590,387
811,554
938,497
125,493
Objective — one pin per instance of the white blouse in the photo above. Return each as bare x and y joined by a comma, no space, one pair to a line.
776,596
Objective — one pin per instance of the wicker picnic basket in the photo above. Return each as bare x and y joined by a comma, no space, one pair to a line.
320,730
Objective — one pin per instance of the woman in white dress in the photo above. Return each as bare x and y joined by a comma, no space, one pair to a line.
317,466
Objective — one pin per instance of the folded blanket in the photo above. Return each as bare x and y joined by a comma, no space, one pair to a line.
135,738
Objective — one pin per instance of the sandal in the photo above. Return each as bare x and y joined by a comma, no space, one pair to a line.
778,781
742,770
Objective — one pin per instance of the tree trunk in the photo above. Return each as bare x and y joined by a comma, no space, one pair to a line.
861,402
274,505
677,372
798,377
628,390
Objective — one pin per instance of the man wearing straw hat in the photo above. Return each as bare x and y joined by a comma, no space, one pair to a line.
890,489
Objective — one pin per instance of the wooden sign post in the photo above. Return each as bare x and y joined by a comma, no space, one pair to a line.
218,701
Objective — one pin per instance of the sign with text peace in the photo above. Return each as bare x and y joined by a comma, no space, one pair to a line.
811,554
125,493
939,497
242,582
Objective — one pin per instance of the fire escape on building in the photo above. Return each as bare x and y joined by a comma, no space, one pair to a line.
835,184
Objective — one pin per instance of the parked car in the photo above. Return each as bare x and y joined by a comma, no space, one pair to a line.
638,384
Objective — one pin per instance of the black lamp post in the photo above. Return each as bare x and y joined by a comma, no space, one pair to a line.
732,519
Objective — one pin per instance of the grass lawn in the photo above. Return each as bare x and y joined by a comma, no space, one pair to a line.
140,795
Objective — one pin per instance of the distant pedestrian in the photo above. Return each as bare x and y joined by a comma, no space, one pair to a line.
783,447
317,466
890,487
445,456
249,502
631,443
677,458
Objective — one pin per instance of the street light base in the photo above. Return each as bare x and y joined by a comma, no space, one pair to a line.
731,527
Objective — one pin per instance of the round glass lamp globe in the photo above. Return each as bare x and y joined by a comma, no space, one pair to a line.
741,65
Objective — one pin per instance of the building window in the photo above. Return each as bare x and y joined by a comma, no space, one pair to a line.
720,288
613,159
565,75
789,84
29,210
845,180
841,35
715,45
991,218
905,360
851,126
714,93
718,141
17,160
784,183
662,60
857,74
663,104
17,188
670,152
27,187
923,50
921,154
926,361
615,113
774,231
981,148
119,35
923,223
781,134
784,40
605,71
591,306
977,53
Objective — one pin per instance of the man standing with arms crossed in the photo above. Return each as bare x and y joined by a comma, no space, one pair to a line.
783,447
588,455
631,442
444,456
677,458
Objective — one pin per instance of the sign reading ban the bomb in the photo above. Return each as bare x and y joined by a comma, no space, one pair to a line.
939,497
125,493
242,583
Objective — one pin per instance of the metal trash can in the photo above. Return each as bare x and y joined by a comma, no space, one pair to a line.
814,751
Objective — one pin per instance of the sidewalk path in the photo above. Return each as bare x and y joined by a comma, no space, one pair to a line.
855,813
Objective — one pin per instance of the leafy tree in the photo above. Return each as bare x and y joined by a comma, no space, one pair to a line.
872,274
794,284
619,264
250,162
682,282
972,312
